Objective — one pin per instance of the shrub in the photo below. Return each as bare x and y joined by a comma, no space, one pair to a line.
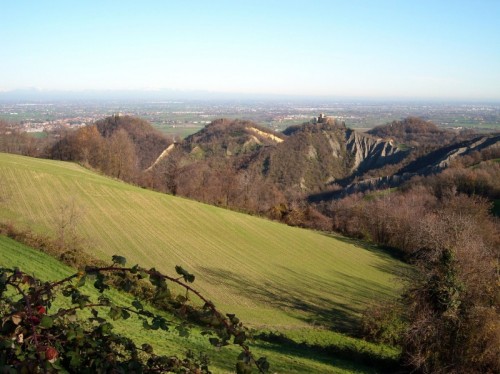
35,338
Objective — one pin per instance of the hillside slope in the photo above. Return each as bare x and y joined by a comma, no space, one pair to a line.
415,132
269,273
227,138
441,158
148,141
303,158
430,163
283,360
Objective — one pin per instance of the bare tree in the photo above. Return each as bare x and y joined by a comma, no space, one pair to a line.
121,155
66,223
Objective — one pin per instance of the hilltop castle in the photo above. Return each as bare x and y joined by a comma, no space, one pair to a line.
322,118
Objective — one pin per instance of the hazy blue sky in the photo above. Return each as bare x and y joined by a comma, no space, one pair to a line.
409,49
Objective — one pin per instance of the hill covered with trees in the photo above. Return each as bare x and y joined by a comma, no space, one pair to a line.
425,194
416,132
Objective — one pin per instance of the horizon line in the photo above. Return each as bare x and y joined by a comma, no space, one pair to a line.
17,94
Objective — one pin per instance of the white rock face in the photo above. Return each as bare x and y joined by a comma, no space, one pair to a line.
369,151
265,135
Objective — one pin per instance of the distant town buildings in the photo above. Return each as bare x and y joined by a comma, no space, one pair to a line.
48,126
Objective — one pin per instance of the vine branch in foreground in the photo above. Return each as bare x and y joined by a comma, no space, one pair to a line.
34,339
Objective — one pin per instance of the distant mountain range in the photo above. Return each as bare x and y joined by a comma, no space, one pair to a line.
38,95
33,94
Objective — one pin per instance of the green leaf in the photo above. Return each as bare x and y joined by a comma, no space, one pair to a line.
75,358
57,365
104,300
46,322
71,316
68,291
120,260
185,274
163,325
243,368
146,325
263,364
162,292
181,299
106,328
114,313
183,331
3,278
99,283
126,285
137,305
232,317
240,338
71,334
125,314
81,281
179,270
214,341
156,279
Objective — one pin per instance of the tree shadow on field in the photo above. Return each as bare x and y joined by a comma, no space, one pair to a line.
290,348
349,358
314,308
386,254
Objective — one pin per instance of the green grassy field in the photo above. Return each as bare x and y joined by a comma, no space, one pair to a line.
283,359
269,274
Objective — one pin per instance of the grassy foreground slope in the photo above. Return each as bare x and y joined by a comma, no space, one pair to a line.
267,273
283,359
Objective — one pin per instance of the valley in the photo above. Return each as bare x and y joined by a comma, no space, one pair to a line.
256,216
41,111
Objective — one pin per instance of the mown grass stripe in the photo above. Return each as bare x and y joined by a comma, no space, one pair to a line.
246,264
